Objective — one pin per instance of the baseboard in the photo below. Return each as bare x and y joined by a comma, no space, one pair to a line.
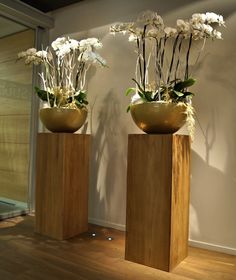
212,247
106,224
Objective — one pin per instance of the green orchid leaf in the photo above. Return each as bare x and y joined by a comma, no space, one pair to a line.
80,101
80,97
128,109
178,93
145,95
184,84
81,104
82,94
139,87
148,95
129,90
155,97
142,95
43,94
79,92
188,93
174,81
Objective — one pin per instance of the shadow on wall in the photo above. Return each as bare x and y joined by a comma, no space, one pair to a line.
109,125
213,164
88,15
108,159
216,195
95,13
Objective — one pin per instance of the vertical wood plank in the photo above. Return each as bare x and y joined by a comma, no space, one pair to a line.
180,200
62,184
76,183
156,186
49,185
148,200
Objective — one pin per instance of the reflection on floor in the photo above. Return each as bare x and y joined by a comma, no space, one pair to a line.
11,208
25,255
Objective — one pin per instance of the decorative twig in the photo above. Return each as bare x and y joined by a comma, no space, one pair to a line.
139,59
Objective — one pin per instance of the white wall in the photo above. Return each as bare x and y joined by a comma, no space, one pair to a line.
213,185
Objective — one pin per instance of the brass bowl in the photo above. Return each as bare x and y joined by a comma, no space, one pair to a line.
63,119
159,117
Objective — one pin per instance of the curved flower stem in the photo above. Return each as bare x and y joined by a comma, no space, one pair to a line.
79,72
163,51
172,58
78,75
136,72
187,58
162,57
157,64
139,60
144,56
178,61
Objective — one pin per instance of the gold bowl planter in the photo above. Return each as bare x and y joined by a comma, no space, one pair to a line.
63,119
159,117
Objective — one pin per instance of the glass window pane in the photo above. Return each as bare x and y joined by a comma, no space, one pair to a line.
15,112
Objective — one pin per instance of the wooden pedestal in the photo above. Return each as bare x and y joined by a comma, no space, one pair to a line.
157,200
62,177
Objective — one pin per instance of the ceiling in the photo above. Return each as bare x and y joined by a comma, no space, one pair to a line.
47,6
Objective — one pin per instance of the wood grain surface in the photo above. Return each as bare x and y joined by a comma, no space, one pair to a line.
157,203
180,199
25,255
62,184
148,200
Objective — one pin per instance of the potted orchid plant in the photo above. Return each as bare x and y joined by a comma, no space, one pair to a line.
161,101
65,65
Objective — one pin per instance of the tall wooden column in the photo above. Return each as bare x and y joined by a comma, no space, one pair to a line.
157,200
62,177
